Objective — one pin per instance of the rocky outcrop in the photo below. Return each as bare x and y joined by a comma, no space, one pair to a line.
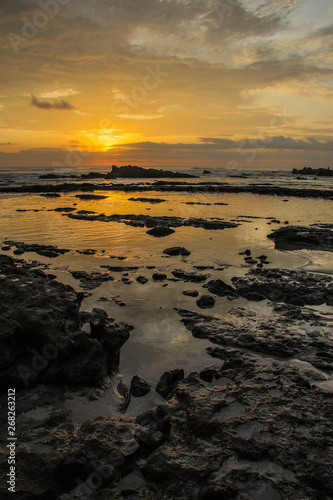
288,332
177,251
45,250
206,302
284,285
134,172
218,287
160,231
42,337
139,387
320,172
90,197
189,276
298,237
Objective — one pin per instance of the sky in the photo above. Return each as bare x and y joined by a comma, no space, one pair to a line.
241,84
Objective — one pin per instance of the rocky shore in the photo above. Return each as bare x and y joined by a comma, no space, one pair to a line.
255,424
172,186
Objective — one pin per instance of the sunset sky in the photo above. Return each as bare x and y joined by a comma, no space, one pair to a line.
225,83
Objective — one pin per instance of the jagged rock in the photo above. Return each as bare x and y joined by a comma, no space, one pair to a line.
41,333
177,251
189,276
169,381
45,250
218,287
147,200
92,280
139,387
298,237
283,285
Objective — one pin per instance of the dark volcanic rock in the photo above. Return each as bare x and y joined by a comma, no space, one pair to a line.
65,209
320,172
160,231
153,222
290,331
169,381
147,200
41,333
90,197
134,172
139,387
45,250
159,276
298,237
50,195
283,285
189,276
206,302
92,280
142,279
218,287
177,251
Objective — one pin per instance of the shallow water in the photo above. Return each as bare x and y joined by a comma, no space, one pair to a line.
160,341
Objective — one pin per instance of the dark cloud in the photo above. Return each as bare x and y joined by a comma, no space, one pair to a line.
218,143
61,104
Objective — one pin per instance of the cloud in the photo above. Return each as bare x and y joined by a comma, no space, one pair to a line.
59,93
50,105
139,117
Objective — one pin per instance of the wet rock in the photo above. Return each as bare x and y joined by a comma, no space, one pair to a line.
283,285
65,209
147,200
89,281
220,288
85,212
45,250
208,373
206,301
191,293
176,251
6,247
50,195
139,387
160,231
290,331
169,381
298,237
189,276
159,276
41,329
90,196
142,279
130,171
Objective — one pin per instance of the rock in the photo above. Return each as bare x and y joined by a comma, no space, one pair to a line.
176,251
50,195
159,276
321,172
139,387
6,247
169,381
208,373
92,280
160,231
283,285
90,197
189,276
191,293
206,301
218,287
298,237
65,209
206,172
142,280
45,250
129,171
147,200
42,337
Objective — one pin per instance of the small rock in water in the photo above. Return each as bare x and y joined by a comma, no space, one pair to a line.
176,251
206,302
159,276
142,280
160,231
169,381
